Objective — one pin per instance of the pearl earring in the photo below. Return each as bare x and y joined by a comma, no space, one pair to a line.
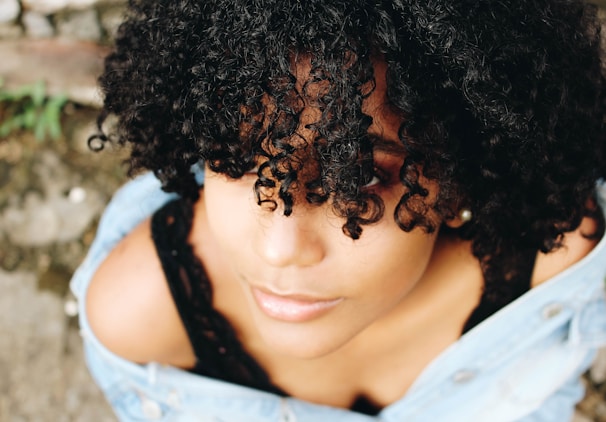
465,215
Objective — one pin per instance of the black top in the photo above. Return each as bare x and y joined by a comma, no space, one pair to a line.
219,354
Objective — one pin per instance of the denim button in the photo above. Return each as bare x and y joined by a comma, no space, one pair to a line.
173,399
463,376
151,409
552,310
70,307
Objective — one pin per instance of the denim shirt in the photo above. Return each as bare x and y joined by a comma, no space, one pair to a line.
521,364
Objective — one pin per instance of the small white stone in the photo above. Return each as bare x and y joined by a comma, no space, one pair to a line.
71,308
76,195
9,10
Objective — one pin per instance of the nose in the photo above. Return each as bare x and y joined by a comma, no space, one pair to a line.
295,240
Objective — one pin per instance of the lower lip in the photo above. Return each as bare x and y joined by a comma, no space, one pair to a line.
290,309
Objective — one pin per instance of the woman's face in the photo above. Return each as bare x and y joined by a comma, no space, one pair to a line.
310,288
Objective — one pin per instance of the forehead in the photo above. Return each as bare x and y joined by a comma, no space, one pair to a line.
386,119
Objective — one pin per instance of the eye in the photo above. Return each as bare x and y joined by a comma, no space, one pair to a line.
374,181
379,177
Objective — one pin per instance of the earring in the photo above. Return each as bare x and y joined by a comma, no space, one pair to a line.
465,215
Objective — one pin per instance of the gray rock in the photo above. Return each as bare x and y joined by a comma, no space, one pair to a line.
41,362
61,214
9,10
35,223
37,25
80,25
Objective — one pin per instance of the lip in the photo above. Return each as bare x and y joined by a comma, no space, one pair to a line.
292,308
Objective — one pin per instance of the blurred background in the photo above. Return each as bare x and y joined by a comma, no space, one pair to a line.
52,191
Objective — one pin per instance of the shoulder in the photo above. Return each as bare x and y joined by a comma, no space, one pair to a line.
130,307
575,246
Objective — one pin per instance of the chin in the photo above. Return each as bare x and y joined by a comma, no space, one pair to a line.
300,342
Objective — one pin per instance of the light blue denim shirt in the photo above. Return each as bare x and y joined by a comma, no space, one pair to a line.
521,364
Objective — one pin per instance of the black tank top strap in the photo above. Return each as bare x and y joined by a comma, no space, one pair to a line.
219,354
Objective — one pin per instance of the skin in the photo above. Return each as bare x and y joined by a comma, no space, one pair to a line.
402,297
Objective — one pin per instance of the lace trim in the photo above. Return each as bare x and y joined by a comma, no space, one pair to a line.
219,353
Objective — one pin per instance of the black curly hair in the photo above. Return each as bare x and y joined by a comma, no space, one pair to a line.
503,106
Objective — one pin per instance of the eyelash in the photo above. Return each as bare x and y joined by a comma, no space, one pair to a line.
379,178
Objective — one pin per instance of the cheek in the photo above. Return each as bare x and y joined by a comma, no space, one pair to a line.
228,209
391,263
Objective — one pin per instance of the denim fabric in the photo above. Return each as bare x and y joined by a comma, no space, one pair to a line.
521,364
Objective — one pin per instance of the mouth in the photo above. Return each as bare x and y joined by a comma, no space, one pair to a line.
292,308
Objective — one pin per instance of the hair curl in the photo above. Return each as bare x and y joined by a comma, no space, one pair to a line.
503,104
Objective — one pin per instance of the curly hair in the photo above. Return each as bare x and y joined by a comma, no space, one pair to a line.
503,106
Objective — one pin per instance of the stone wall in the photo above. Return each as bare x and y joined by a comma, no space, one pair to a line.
59,42
79,20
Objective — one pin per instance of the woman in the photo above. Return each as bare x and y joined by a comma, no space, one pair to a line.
371,211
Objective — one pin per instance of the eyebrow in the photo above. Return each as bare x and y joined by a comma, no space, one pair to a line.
386,145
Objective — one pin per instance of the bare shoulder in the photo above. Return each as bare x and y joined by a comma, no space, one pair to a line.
130,307
576,246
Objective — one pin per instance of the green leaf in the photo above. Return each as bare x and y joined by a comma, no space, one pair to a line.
38,94
29,118
40,130
51,119
28,107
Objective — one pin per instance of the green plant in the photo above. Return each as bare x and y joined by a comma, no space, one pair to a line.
29,108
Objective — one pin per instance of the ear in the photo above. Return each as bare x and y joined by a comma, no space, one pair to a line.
463,216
